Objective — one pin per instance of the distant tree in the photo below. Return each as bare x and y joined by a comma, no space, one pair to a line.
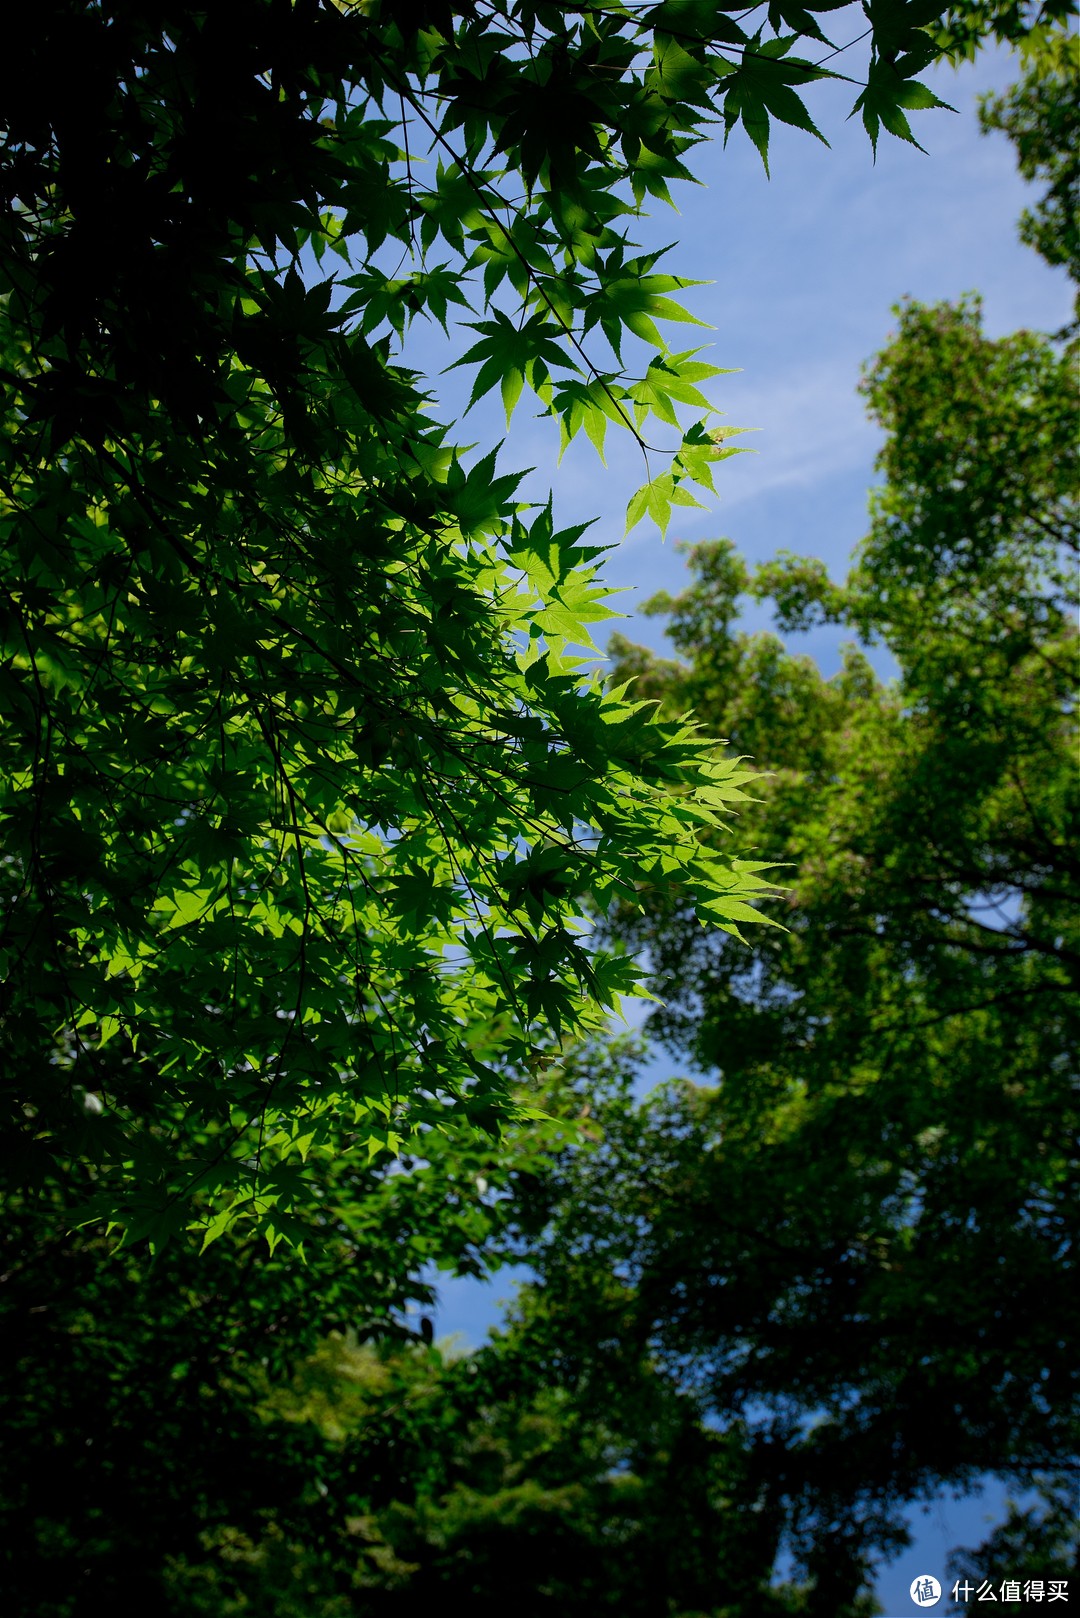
1042,1537
363,1479
859,1236
1041,116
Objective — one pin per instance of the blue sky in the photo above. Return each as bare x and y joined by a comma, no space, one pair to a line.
803,271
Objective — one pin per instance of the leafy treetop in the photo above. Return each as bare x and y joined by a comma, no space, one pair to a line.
863,1226
307,798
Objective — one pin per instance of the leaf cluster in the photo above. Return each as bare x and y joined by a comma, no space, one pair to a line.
307,801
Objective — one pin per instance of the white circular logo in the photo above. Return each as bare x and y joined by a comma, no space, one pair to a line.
925,1590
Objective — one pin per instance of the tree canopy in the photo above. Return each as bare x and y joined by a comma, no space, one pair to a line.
858,1235
1039,114
769,1310
312,796
309,796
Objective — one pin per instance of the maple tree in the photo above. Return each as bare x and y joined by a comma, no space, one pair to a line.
308,796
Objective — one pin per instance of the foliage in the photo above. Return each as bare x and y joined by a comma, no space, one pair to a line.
1044,1537
1040,116
158,1391
306,800
201,1474
859,1238
306,795
1031,27
131,1419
